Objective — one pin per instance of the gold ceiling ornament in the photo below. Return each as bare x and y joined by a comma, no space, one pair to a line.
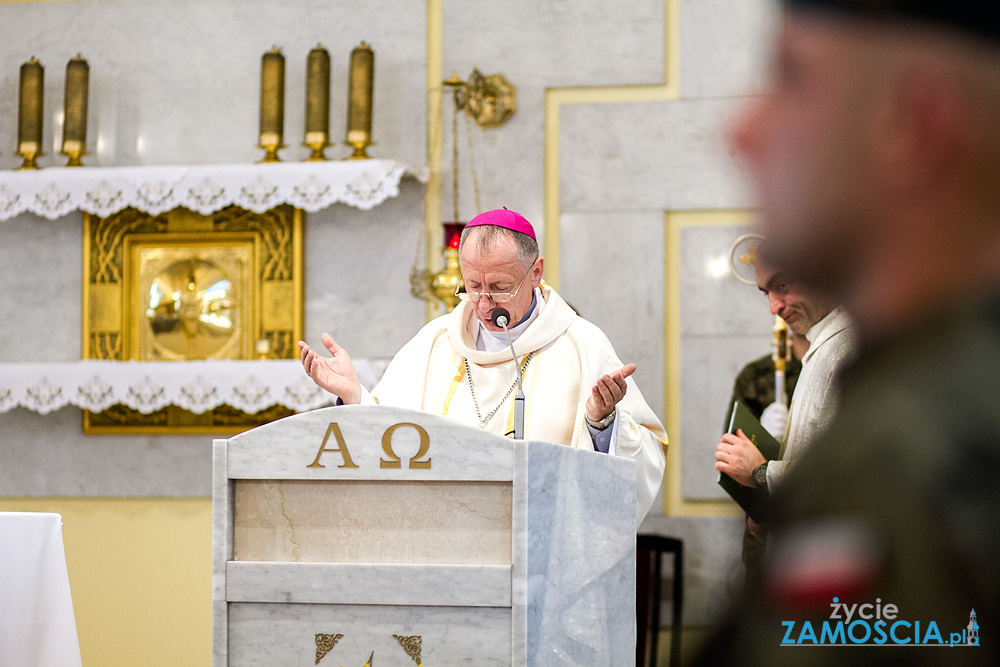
183,286
488,99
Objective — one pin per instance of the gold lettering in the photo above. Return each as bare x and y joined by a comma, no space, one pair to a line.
341,448
394,462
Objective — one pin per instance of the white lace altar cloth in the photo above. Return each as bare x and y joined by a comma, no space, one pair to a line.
197,386
311,186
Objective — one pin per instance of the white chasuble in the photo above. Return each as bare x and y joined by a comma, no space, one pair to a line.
565,356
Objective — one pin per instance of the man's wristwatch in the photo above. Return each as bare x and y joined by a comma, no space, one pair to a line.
759,476
604,423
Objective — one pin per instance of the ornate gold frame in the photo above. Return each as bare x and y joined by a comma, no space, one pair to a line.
271,298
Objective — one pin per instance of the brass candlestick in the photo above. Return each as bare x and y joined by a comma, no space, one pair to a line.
272,104
29,113
317,103
359,105
75,111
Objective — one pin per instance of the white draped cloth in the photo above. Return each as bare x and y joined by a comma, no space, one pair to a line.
37,624
147,386
311,186
569,355
832,341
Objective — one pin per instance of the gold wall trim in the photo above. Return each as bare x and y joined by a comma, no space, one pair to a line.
674,503
432,194
556,97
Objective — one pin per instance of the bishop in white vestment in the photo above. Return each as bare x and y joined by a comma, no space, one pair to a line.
459,365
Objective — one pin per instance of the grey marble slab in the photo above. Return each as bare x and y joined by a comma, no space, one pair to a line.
666,155
49,455
180,82
222,552
612,273
556,43
369,583
287,448
580,559
265,635
709,366
712,301
725,46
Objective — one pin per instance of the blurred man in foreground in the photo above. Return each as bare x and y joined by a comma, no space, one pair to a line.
876,158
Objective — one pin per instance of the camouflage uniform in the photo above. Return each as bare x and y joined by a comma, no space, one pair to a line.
908,480
755,385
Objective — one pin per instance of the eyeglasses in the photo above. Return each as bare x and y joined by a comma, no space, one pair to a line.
495,297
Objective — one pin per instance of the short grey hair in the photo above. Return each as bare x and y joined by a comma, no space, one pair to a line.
490,235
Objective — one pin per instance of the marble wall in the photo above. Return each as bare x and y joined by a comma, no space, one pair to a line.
177,83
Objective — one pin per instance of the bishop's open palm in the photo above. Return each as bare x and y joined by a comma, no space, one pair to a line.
334,373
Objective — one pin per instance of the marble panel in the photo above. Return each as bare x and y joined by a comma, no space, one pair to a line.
519,561
178,81
40,284
222,552
664,155
611,271
509,163
383,443
713,569
368,583
262,635
48,455
709,366
556,43
712,301
373,522
580,603
725,46
357,274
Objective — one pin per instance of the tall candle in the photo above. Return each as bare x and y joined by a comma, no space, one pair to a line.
359,106
75,116
318,96
29,113
272,98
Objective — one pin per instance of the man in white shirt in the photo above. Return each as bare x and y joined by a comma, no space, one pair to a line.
578,392
832,340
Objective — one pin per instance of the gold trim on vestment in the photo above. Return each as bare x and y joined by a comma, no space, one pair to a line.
454,385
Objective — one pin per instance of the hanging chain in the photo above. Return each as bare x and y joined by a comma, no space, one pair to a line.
472,164
484,421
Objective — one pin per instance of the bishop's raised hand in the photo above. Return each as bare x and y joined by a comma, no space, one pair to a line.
334,373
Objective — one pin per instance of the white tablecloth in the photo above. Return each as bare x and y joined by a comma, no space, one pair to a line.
37,625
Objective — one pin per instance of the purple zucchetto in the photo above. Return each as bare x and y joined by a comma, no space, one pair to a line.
502,217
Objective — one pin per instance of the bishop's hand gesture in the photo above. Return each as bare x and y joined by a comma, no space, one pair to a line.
334,373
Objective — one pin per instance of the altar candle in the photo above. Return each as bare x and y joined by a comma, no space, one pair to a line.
29,114
359,107
272,98
318,96
75,123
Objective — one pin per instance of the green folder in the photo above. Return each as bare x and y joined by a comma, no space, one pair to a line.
751,499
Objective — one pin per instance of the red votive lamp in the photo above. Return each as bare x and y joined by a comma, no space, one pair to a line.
453,234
